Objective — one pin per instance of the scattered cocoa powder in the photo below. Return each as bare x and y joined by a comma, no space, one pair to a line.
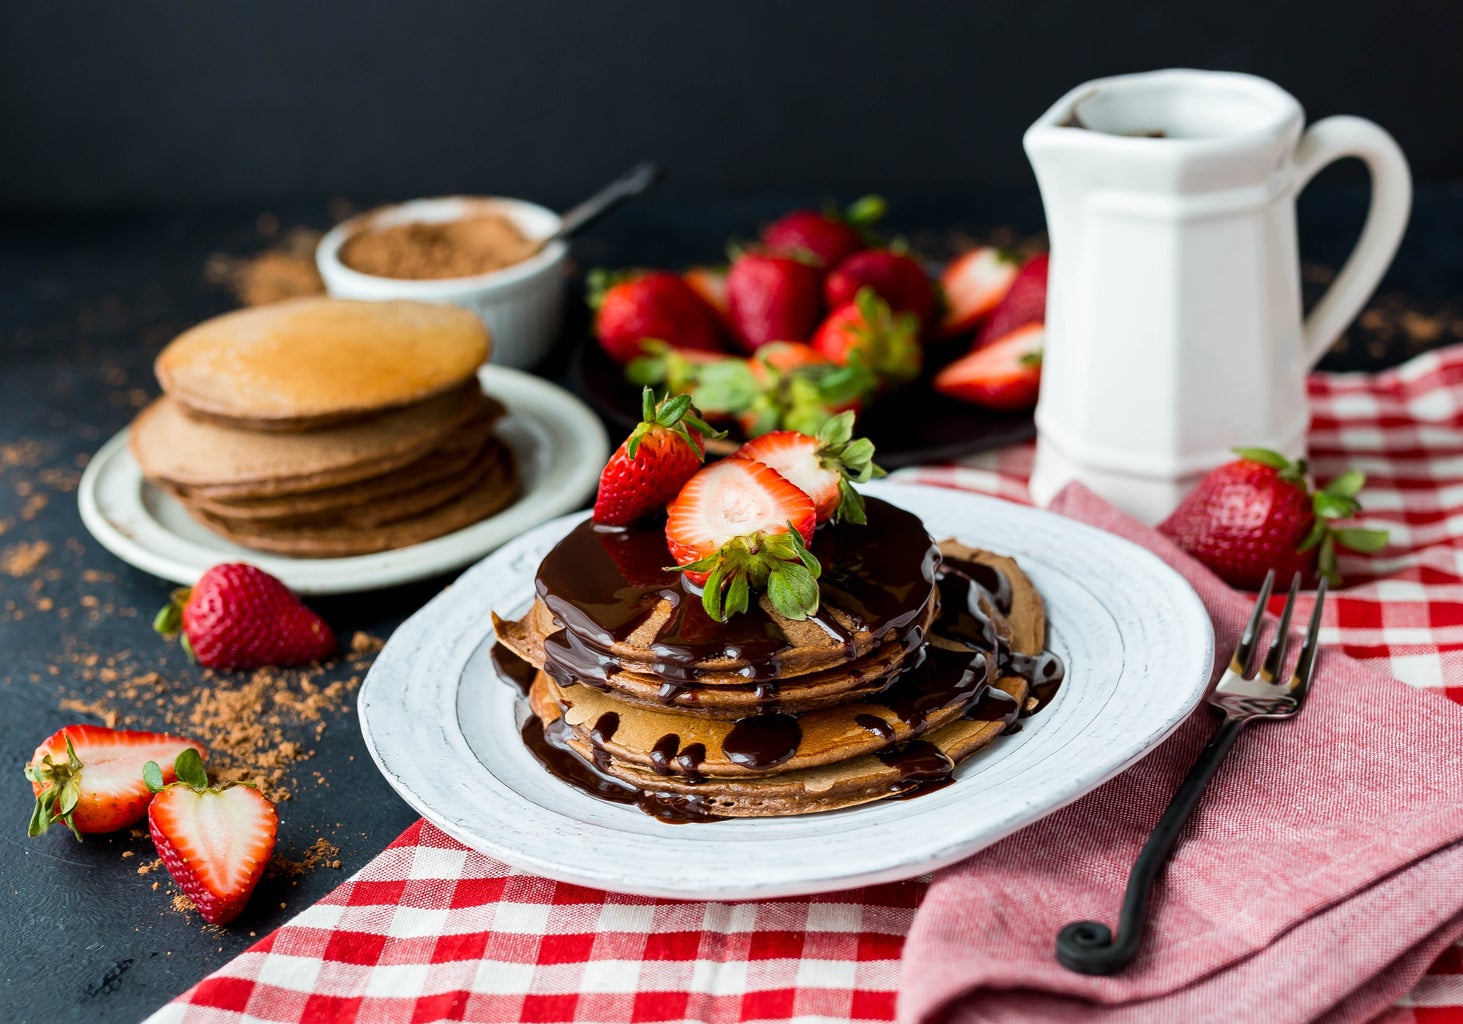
320,853
421,251
284,271
21,559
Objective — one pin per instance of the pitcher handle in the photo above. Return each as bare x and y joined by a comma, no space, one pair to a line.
1331,139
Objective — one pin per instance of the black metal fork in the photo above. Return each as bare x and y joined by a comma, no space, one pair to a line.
1089,947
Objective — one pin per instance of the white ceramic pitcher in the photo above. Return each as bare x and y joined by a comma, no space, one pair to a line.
1174,328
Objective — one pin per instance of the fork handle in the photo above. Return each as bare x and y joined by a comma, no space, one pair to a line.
1088,947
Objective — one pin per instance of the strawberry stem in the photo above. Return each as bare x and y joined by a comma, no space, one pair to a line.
60,792
779,563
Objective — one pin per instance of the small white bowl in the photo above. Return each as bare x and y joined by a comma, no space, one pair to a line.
523,304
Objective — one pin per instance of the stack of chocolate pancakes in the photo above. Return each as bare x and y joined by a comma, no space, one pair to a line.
919,656
323,428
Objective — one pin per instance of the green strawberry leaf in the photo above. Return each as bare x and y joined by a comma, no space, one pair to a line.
1363,540
1347,485
188,766
1315,535
1264,457
865,211
152,777
1331,507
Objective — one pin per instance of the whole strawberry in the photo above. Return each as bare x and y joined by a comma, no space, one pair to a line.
868,334
238,616
895,277
654,462
829,237
656,304
1259,513
773,298
214,841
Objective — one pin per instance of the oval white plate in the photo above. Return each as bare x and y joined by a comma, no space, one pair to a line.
441,725
559,443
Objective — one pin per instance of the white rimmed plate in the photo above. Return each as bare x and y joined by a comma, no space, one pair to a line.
559,443
441,726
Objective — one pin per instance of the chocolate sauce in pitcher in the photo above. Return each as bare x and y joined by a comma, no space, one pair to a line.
605,586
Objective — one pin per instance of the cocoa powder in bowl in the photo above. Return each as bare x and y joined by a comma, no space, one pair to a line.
421,250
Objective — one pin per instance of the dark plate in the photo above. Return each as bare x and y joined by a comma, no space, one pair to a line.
910,427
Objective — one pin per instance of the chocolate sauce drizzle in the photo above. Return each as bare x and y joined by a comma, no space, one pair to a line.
604,585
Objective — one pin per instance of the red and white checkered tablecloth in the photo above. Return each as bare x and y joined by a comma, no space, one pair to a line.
431,931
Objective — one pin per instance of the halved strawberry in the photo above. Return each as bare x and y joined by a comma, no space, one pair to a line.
97,785
866,333
652,464
974,284
1023,304
739,525
710,284
215,842
824,467
1005,374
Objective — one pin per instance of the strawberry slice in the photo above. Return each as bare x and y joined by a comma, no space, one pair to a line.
974,284
89,777
868,334
710,284
1023,304
1006,374
237,616
825,467
215,842
654,462
739,525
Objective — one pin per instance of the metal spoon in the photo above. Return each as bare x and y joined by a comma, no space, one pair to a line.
628,185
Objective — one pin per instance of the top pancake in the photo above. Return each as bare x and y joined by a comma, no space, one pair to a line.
607,604
313,362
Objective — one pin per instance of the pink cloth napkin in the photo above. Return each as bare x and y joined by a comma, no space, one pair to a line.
1320,876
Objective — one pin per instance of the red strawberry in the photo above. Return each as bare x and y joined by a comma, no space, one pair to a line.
1006,374
653,463
897,279
974,284
773,298
737,526
654,304
1259,513
1024,302
823,467
89,777
867,333
239,617
828,237
214,842
710,284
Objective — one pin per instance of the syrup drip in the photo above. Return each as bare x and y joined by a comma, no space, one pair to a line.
512,669
760,742
550,746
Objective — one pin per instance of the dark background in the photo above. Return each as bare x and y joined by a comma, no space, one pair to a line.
173,104
138,140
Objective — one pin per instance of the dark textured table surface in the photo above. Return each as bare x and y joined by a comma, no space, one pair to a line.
85,304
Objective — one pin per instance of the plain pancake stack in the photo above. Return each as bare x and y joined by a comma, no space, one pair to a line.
904,672
324,428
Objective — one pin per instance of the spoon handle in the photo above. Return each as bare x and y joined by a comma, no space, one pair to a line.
628,185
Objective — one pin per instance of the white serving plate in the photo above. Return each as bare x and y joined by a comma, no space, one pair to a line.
559,443
441,726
